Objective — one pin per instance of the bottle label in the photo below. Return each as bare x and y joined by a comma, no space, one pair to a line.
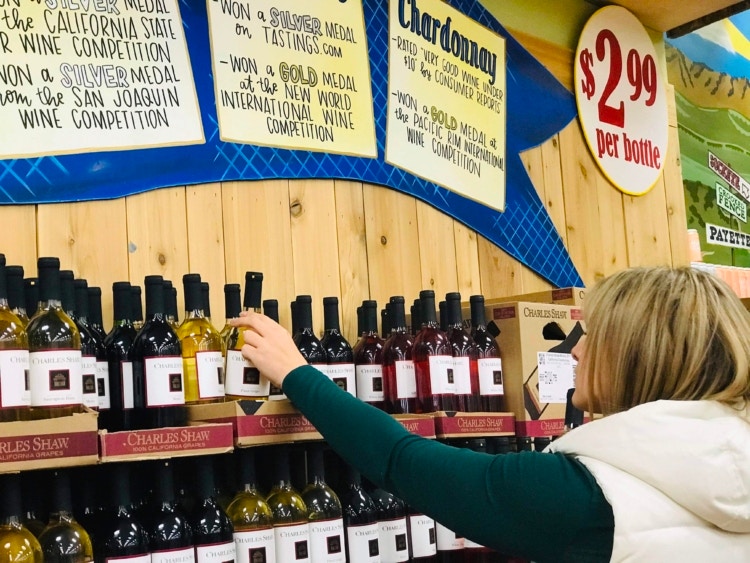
210,368
392,535
88,382
327,541
423,540
243,378
446,539
490,376
55,378
215,553
406,380
468,544
164,381
370,383
442,378
462,375
363,543
126,381
292,542
184,555
275,393
343,375
14,379
255,546
132,559
102,385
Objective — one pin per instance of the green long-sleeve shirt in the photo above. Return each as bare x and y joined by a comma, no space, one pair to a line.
542,506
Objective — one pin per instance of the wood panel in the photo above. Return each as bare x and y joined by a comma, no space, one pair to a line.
257,237
467,260
501,274
206,243
437,251
18,236
647,228
352,245
90,238
674,191
157,237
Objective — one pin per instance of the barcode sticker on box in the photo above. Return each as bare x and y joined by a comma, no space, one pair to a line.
556,376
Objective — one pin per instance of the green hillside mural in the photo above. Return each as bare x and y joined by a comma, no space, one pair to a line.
710,70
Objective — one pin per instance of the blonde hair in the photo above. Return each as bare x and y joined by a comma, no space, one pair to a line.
664,333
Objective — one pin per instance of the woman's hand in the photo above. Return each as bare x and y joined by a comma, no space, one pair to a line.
268,346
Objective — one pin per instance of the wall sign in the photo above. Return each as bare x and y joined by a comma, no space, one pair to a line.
621,99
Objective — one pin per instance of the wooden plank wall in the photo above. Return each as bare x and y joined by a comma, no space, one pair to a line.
348,239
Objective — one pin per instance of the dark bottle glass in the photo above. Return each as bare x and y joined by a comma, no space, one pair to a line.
422,536
291,529
399,377
171,304
31,295
360,328
16,294
489,364
54,346
324,512
360,520
171,539
96,323
117,347
392,527
442,308
465,355
295,318
474,552
232,308
368,358
339,355
136,307
433,362
385,321
305,339
101,368
524,444
17,543
416,317
206,298
156,356
213,533
271,310
88,498
15,398
35,493
120,536
64,540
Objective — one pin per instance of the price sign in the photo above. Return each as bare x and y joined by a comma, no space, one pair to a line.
621,99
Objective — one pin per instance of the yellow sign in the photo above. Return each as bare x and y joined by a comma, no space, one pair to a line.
76,77
446,103
293,75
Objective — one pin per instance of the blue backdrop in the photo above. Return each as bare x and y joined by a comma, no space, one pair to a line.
537,107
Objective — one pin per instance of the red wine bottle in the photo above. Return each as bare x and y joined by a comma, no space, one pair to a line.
339,355
465,356
171,304
95,312
271,310
117,346
399,377
307,343
101,369
136,307
422,537
156,356
170,535
368,360
489,364
385,320
433,362
416,317
213,532
392,527
360,520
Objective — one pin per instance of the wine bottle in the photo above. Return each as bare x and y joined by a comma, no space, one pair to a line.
213,533
360,327
442,308
368,358
291,530
136,307
16,296
206,299
15,397
416,317
17,543
89,497
170,301
433,361
489,364
360,520
243,380
117,346
386,324
31,295
101,368
34,493
339,356
120,536
64,540
422,536
171,539
473,551
96,323
201,343
251,516
324,512
232,307
271,310
465,355
307,343
88,346
392,527
156,356
399,378
295,318
54,346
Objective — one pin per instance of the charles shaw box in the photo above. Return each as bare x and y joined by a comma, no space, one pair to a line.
535,343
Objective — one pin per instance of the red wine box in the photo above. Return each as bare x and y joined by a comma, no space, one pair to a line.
196,439
535,342
419,424
258,422
474,424
64,441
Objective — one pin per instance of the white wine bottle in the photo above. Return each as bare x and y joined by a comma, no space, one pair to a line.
324,512
291,530
15,397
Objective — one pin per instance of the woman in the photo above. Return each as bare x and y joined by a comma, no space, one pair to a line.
664,476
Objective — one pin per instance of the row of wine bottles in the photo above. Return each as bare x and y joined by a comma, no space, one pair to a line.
209,509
